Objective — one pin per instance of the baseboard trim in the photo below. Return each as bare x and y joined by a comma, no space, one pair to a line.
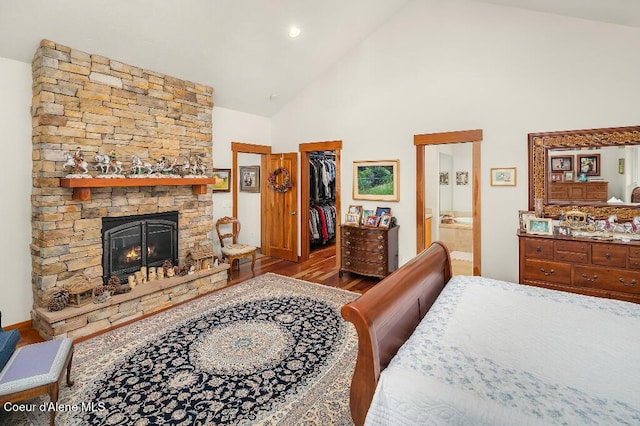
20,326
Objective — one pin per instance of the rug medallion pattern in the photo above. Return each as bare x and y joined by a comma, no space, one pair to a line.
272,350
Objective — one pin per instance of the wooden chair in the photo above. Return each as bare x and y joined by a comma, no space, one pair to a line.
635,195
228,229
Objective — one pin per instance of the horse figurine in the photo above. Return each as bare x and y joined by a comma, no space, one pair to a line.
108,163
198,167
76,163
138,167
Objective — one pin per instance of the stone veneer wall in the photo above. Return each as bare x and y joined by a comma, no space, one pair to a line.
98,104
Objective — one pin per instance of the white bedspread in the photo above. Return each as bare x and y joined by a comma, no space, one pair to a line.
496,353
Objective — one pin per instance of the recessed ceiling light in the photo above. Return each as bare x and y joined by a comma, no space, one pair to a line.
294,32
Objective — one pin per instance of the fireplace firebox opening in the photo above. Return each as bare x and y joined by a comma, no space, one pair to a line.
131,242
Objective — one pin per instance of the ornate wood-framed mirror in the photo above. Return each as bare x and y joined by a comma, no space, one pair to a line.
592,153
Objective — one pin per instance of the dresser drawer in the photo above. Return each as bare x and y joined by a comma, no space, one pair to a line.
363,234
609,255
634,262
572,246
634,251
539,248
368,256
361,266
574,257
553,272
364,245
610,279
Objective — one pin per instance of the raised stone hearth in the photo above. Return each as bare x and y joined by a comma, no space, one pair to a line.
101,105
144,299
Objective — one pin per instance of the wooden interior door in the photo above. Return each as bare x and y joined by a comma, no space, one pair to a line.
281,215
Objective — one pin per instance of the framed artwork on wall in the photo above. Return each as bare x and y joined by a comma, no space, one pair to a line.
562,163
376,180
589,164
250,178
221,180
503,176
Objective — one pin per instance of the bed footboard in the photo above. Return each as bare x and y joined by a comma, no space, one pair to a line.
386,315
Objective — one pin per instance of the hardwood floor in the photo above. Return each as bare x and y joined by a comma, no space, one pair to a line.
320,268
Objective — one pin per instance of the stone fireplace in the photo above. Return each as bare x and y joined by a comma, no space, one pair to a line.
100,105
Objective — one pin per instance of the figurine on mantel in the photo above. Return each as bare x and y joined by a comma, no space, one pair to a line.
198,167
139,168
76,163
108,165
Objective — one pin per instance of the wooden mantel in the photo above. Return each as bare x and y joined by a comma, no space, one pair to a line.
82,186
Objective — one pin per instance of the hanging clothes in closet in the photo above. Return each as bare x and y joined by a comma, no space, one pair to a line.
322,190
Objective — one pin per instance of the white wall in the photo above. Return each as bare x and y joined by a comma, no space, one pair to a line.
16,297
458,65
235,126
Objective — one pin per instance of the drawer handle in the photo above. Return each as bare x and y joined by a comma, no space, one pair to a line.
347,263
380,268
551,271
538,249
607,255
380,257
348,243
347,233
628,284
586,277
380,247
380,237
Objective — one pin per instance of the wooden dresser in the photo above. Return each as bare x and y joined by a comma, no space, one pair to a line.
581,265
368,251
578,191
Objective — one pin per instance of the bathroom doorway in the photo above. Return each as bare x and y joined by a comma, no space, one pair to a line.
454,221
462,174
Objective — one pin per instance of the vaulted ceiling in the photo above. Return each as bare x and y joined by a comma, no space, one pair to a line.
239,47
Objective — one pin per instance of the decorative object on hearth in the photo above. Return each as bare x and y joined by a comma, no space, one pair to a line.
160,273
80,291
286,180
153,275
264,330
75,162
201,257
181,271
131,279
167,266
56,299
101,294
115,286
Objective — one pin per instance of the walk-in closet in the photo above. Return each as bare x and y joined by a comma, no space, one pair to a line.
322,199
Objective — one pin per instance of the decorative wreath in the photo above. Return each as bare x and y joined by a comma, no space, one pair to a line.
286,184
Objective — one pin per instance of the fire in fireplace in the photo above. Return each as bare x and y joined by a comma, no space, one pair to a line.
130,242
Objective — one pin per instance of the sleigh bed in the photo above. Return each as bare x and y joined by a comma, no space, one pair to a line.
471,350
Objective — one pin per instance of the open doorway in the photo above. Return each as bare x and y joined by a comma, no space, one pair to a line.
429,179
320,198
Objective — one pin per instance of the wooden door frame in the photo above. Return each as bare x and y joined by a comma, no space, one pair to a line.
248,148
305,150
420,142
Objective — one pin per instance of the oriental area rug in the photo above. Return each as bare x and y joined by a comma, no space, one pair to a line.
272,350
